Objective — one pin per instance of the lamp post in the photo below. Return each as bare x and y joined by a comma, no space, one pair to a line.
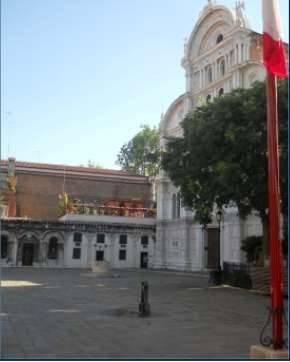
219,215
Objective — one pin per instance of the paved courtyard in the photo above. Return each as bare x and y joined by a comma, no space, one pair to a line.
75,314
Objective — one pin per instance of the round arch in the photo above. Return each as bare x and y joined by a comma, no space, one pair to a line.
213,19
28,248
47,235
174,114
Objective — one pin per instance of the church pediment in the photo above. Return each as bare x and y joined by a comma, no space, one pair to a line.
214,22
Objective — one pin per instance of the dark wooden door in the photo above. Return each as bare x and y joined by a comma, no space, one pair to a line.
213,248
27,254
144,260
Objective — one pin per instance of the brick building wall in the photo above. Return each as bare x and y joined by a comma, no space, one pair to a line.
39,185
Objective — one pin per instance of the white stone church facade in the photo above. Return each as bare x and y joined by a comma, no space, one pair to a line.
221,54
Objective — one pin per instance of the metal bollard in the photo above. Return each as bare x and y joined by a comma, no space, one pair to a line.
144,306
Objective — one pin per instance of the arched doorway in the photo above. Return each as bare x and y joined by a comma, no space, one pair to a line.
28,254
4,246
52,248
28,250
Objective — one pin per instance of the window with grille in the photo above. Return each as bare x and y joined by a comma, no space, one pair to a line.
100,238
78,237
76,253
123,239
144,241
122,254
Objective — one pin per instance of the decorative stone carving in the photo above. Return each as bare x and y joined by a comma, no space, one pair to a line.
241,19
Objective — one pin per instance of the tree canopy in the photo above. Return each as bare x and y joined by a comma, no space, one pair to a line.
222,158
141,155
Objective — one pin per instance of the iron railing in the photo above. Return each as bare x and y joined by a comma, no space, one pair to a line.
93,209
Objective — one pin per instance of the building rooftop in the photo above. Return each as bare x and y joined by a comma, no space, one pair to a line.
34,166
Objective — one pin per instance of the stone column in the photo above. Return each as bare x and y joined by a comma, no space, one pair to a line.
248,51
60,254
235,55
66,251
188,246
199,80
112,248
90,249
43,250
136,240
10,252
19,254
163,247
188,76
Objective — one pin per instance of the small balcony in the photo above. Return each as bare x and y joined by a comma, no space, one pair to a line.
90,212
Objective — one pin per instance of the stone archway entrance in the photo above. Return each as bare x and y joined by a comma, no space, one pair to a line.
27,254
52,249
28,250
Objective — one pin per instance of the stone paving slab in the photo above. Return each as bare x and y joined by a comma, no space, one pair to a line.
71,314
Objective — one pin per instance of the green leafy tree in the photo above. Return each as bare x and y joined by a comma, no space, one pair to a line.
141,155
222,158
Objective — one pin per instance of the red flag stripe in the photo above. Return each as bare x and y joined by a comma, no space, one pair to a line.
274,56
273,50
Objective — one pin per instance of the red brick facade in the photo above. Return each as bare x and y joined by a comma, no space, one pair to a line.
38,187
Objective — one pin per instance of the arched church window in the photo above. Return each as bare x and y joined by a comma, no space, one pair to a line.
220,38
208,98
174,206
52,248
221,92
209,74
242,52
4,246
222,67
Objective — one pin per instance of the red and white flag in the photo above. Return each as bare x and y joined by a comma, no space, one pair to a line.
273,50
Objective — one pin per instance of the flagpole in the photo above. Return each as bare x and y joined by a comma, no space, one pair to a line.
276,258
